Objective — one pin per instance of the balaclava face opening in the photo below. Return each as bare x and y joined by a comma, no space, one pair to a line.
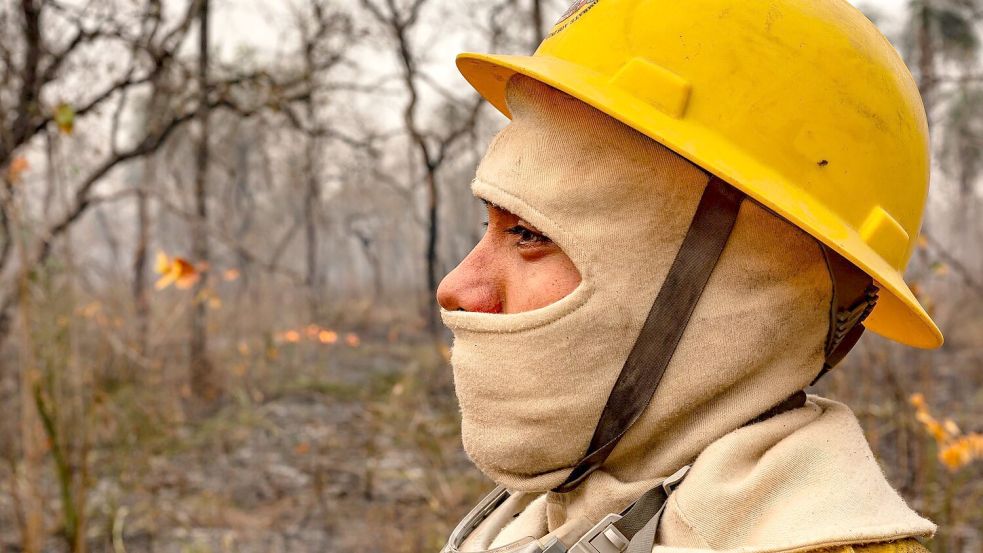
532,385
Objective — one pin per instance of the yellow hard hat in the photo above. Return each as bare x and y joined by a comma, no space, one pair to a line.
801,104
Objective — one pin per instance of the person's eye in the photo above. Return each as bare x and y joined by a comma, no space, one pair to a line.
528,237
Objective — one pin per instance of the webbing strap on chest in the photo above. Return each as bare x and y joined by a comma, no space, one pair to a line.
642,372
632,531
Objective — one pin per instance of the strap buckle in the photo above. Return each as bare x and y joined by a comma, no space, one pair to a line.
607,537
481,511
602,538
673,482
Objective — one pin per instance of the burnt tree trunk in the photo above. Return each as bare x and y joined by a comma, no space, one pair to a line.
141,299
433,278
202,377
312,192
537,23
927,78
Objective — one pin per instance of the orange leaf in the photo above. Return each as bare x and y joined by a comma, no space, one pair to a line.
922,242
166,280
175,271
65,118
951,427
917,400
961,452
162,264
916,289
17,168
445,352
187,276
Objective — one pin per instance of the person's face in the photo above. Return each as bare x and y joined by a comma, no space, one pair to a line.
514,268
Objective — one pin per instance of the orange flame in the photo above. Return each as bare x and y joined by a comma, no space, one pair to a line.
175,270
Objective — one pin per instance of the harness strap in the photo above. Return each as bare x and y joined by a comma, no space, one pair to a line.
667,320
632,531
649,505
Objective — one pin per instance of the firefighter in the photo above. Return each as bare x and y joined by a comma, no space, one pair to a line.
695,211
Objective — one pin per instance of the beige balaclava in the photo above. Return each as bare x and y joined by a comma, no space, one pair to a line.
532,385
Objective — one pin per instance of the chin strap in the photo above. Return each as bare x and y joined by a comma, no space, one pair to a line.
854,297
667,320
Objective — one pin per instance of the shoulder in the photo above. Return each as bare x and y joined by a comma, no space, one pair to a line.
909,545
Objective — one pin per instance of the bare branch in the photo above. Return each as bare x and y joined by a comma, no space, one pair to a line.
27,107
294,119
175,36
414,12
957,266
464,129
375,11
83,199
117,116
8,240
81,37
233,243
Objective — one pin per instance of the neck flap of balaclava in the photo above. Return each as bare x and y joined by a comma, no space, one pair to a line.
532,385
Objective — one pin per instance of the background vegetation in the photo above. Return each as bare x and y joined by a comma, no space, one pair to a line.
218,252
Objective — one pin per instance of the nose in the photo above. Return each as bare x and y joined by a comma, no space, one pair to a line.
472,286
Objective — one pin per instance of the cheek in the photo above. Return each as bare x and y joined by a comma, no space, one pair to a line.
498,277
534,284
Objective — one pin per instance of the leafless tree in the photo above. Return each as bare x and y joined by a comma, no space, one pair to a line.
431,147
326,33
538,32
201,369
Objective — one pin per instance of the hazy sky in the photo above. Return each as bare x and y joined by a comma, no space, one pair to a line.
254,23
263,28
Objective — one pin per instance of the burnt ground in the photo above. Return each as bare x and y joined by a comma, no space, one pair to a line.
363,456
